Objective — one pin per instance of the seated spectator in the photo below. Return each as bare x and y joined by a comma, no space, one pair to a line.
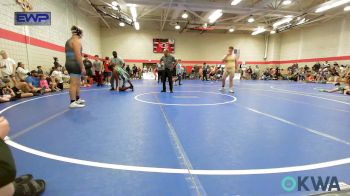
310,78
212,73
28,88
53,84
51,70
316,67
22,73
256,73
333,74
301,73
248,73
3,97
9,184
278,74
13,92
40,70
57,76
43,83
266,75
33,79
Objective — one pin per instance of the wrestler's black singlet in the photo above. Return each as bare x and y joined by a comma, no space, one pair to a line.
72,64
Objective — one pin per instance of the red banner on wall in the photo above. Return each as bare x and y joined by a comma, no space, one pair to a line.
159,45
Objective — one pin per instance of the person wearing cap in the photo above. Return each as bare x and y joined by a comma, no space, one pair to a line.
169,63
75,67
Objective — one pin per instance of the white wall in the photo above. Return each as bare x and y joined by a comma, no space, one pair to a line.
327,39
188,46
274,48
323,40
64,15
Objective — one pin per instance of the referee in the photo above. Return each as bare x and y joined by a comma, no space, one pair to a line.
169,63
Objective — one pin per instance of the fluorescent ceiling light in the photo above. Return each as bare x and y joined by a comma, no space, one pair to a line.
347,8
302,21
235,2
115,7
272,32
259,30
114,3
122,24
133,11
215,15
184,15
281,22
177,26
131,5
331,4
251,19
286,2
137,26
231,30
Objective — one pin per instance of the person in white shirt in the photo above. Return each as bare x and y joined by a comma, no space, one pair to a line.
7,66
22,73
230,61
58,77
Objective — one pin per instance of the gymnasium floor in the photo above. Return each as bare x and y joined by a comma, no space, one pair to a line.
196,141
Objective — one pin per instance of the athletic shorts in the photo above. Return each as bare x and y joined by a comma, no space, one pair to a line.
107,74
7,165
229,72
73,68
72,75
89,73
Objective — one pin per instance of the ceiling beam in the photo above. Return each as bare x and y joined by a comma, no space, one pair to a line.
166,16
210,6
151,10
195,14
100,16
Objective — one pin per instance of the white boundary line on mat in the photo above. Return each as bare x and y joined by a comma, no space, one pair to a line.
137,98
166,170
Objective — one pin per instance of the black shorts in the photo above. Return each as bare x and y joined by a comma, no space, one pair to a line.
7,165
73,68
60,86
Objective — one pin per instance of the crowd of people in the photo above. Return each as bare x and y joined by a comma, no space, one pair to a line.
318,73
17,81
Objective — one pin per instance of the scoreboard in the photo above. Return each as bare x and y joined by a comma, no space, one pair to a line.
159,45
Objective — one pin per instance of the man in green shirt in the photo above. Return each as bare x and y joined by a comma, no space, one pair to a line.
169,62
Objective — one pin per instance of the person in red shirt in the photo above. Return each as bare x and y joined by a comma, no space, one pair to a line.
107,72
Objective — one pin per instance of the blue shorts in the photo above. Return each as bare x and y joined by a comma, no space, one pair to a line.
72,75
